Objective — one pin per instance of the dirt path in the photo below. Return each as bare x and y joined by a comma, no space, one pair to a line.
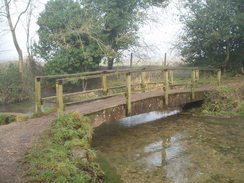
17,137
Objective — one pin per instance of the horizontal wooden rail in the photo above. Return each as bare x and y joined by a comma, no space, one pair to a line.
117,87
94,99
71,94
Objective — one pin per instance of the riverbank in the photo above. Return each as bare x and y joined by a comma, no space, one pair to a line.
223,101
63,153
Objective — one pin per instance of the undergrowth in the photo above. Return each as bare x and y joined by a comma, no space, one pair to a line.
6,119
223,101
55,158
12,88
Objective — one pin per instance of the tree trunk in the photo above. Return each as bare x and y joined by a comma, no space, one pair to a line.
110,63
227,58
16,44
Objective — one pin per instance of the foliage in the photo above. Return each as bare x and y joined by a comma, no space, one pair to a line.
214,33
6,119
224,100
52,160
66,38
12,89
119,22
76,35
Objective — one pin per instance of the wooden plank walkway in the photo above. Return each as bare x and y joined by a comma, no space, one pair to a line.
87,108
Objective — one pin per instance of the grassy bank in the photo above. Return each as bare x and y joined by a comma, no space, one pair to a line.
63,154
224,101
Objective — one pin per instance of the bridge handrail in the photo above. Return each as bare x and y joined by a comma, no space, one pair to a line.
168,72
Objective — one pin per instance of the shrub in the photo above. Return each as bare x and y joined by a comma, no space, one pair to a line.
12,89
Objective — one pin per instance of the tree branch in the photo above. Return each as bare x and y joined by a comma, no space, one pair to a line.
23,12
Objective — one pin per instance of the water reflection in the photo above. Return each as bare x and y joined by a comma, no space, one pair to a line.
113,127
145,118
179,149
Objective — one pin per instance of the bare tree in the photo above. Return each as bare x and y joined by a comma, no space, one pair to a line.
13,27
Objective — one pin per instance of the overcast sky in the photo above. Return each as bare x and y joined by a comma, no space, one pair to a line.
160,33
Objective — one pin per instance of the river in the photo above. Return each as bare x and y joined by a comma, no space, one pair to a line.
171,148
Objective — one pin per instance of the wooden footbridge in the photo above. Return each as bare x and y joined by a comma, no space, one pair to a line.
114,94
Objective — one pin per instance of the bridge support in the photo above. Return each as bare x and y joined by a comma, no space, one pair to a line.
166,87
60,101
128,94
193,80
38,95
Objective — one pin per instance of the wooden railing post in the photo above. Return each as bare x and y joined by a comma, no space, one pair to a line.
38,95
166,87
128,94
171,75
193,79
219,77
197,75
105,85
143,81
60,101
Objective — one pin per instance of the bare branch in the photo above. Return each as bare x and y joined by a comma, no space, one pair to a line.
23,12
3,14
9,2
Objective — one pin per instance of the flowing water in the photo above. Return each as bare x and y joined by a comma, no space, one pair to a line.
151,148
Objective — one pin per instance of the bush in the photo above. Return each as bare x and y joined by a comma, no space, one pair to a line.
6,119
12,89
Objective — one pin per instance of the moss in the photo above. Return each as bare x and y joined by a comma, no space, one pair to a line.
52,160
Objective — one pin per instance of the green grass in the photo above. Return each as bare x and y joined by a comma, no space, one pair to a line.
6,119
241,109
52,158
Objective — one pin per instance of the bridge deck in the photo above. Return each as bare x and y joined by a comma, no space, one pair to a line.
92,107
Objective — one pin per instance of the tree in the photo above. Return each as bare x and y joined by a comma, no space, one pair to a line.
67,38
214,33
119,22
6,13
